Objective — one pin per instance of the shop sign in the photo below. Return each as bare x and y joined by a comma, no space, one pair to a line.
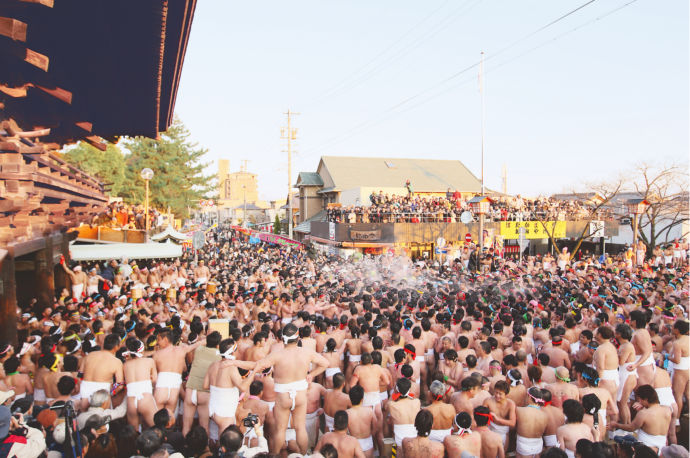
367,236
533,229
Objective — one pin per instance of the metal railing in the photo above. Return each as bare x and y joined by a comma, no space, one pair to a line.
343,217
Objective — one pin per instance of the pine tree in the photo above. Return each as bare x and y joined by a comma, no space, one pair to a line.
179,181
107,166
276,225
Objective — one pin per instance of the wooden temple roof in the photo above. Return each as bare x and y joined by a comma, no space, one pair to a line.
75,70
92,68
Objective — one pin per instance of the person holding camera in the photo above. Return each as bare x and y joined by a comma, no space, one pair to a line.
18,439
232,441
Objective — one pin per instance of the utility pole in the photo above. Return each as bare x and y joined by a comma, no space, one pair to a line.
504,179
289,134
481,215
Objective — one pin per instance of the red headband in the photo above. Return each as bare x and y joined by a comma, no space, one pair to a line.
487,415
414,355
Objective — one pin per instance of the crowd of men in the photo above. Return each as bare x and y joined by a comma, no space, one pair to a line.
258,350
416,208
120,215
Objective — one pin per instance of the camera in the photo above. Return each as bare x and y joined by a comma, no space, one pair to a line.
250,420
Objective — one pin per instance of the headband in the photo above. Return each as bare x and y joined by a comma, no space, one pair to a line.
535,399
414,355
563,379
76,348
228,353
487,415
56,362
289,339
514,381
139,352
461,431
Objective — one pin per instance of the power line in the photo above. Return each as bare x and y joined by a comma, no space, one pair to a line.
390,112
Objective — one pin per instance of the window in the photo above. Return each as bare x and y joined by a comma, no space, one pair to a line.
389,164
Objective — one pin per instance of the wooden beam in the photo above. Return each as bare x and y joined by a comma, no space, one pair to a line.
46,3
15,92
96,142
84,125
33,133
36,59
13,28
57,92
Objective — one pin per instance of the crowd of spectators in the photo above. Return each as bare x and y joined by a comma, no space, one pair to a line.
415,208
120,215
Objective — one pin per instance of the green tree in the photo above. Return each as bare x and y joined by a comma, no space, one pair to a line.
276,225
179,181
108,166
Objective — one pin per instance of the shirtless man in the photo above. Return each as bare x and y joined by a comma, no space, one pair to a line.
140,375
346,445
451,369
54,363
77,277
292,374
334,400
606,360
401,412
502,411
462,401
556,419
627,380
361,421
442,412
557,355
422,445
531,425
370,377
100,368
681,362
316,393
588,382
463,439
562,389
492,443
19,382
170,363
651,421
644,362
202,273
224,382
258,350
518,392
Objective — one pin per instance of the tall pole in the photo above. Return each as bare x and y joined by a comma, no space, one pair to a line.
146,211
634,244
289,135
481,91
244,213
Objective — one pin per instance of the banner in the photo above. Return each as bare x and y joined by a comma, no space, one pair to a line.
510,230
365,235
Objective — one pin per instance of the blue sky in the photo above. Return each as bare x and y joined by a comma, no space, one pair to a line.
563,107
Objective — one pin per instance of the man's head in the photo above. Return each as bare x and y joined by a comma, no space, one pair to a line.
423,423
231,439
646,395
501,390
482,415
469,386
573,411
340,420
356,395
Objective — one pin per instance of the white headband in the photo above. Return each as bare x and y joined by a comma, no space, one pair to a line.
228,353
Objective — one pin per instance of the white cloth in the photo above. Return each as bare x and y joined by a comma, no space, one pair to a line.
137,390
684,363
194,398
650,440
569,453
286,320
77,291
371,399
612,375
367,443
383,395
312,425
223,401
331,371
39,395
501,430
403,431
437,435
329,422
551,440
169,380
355,358
292,389
623,374
87,388
648,362
665,394
529,445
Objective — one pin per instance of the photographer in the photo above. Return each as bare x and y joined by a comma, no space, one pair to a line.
232,439
17,438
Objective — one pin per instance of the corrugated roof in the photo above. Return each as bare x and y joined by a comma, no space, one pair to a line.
305,226
308,179
425,175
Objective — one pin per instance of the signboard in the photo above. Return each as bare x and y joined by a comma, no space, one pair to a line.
220,325
440,251
533,229
468,237
198,240
466,217
365,235
522,241
440,242
331,231
276,239
597,228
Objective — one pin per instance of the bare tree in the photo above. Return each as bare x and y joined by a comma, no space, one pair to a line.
666,190
595,206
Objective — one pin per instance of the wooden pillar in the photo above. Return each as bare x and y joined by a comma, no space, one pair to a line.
45,282
8,299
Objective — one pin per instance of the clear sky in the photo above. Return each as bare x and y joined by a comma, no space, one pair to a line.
376,78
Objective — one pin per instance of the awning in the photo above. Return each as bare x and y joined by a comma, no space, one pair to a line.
170,233
125,250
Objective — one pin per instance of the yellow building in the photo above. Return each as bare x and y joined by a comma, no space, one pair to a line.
235,187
